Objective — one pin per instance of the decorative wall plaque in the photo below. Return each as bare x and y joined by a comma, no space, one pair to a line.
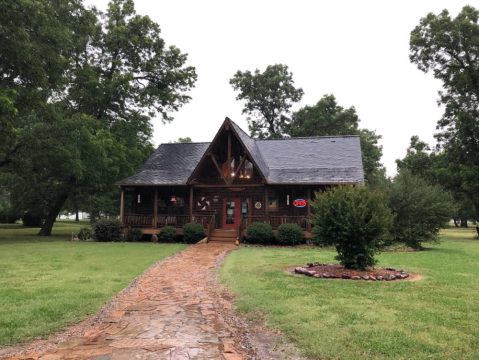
300,203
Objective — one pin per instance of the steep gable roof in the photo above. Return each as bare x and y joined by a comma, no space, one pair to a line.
312,160
247,142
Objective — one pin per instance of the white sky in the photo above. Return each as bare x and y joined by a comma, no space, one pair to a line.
356,50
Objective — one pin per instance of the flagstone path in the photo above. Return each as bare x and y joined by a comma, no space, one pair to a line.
171,313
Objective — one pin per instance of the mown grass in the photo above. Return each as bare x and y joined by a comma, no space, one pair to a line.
434,318
48,283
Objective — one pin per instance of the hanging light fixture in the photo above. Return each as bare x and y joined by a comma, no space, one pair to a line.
139,198
173,199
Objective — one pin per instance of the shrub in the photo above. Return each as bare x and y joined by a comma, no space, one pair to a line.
85,234
8,215
107,230
31,218
133,234
419,210
290,234
193,232
259,233
353,219
167,234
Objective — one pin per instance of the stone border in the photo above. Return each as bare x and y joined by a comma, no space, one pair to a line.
392,275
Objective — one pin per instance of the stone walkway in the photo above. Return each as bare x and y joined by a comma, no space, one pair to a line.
171,313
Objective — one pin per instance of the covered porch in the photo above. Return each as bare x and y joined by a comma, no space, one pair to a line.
215,207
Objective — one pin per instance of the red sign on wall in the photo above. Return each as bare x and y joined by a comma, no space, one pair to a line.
300,203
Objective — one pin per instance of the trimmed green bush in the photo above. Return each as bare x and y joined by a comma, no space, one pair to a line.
290,234
259,233
133,234
107,230
193,232
355,220
85,234
167,234
419,210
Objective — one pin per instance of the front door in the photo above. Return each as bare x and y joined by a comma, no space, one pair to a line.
231,213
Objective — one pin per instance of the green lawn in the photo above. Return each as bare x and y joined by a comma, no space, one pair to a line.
435,318
48,283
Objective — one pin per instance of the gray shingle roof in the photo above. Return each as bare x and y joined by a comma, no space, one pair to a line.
170,164
326,159
315,160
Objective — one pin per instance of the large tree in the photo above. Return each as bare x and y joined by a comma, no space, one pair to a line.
94,126
326,118
268,98
434,166
449,48
36,42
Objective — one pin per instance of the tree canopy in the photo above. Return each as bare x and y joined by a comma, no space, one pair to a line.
434,167
449,48
184,140
268,98
97,82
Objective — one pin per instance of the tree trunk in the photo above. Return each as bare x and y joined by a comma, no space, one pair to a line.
76,215
464,223
46,229
456,222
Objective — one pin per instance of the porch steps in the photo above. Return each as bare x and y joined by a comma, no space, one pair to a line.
223,236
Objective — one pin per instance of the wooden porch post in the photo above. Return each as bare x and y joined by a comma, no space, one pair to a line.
308,223
155,209
266,201
122,206
191,203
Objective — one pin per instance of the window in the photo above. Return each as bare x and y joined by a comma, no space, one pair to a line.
272,203
247,170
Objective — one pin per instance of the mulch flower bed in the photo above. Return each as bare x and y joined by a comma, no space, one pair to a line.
335,271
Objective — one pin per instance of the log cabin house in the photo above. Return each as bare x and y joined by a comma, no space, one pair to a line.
235,180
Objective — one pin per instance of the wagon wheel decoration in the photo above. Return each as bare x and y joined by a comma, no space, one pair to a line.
203,204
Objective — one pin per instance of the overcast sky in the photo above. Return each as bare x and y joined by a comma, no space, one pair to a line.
356,50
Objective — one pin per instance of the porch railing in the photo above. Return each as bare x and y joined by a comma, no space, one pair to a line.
140,220
277,220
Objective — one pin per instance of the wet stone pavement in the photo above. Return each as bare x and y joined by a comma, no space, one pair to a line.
170,313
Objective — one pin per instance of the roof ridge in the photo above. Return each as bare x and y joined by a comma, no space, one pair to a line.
311,137
188,143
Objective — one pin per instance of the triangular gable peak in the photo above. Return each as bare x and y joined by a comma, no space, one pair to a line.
227,160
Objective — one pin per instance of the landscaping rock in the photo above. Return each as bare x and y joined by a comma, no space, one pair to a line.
301,270
336,271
